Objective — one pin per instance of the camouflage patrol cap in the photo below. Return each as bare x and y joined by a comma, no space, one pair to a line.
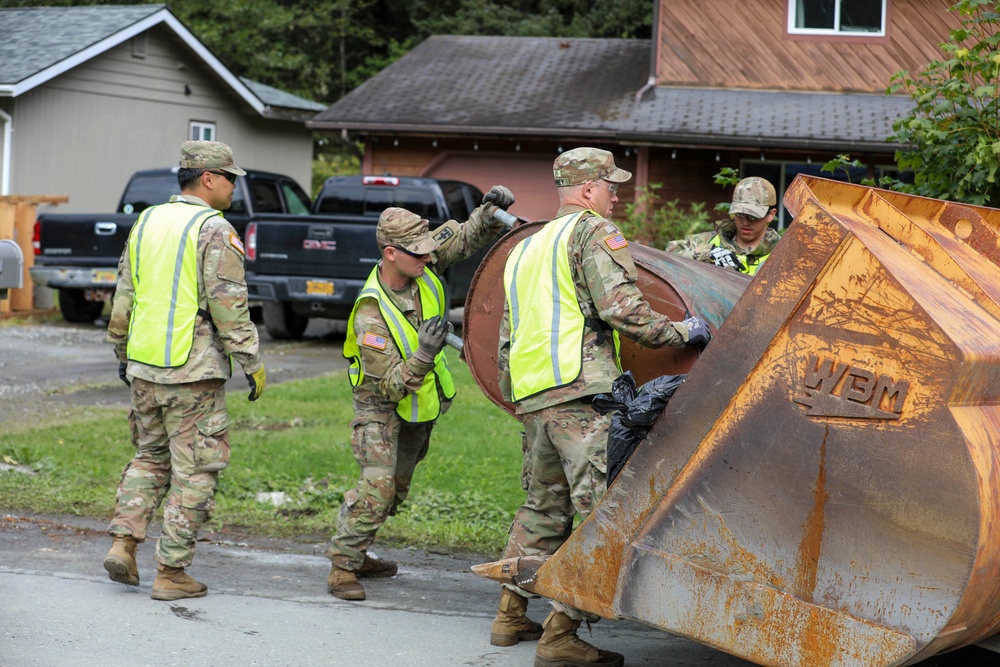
208,155
584,164
397,226
754,197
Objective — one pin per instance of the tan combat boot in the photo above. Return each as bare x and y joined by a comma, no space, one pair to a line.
120,561
376,568
172,583
560,647
344,584
511,625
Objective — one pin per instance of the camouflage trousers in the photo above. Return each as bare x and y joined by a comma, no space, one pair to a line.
387,454
181,439
563,474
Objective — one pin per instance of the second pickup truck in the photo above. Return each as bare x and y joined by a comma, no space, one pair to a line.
300,268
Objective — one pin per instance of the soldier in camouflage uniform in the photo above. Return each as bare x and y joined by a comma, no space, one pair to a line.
400,376
743,241
179,315
553,363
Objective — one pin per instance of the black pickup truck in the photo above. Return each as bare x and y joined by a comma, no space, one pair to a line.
77,254
305,268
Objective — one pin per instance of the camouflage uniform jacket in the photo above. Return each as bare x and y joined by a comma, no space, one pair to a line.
388,377
699,246
606,289
222,291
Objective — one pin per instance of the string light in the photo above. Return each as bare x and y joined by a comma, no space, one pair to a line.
718,157
434,144
517,147
673,155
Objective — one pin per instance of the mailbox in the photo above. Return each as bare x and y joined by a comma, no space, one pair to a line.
11,267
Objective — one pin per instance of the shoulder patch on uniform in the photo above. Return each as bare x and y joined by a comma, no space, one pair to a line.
236,243
443,233
374,341
616,241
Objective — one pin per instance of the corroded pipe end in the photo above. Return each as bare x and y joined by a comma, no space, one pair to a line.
519,571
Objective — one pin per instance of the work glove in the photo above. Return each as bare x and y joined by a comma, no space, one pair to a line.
499,196
727,259
122,368
697,331
430,338
257,380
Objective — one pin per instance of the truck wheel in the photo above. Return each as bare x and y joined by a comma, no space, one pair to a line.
75,308
282,322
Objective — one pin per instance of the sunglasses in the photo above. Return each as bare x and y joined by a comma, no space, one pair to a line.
414,255
226,175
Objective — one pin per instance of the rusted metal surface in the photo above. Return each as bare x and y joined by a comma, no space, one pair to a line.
674,286
825,487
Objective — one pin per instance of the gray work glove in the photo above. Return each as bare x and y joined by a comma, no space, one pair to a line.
727,259
430,338
499,196
697,331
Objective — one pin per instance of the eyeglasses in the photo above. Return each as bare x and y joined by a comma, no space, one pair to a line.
748,218
226,175
612,187
414,255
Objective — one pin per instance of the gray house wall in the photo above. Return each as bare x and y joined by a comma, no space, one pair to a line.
83,133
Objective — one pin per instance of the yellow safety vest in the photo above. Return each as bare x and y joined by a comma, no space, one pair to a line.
751,264
424,405
164,261
546,322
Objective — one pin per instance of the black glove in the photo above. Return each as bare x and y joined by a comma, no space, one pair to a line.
698,333
727,259
122,375
430,337
499,196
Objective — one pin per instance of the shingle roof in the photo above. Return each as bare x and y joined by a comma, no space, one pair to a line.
529,86
279,98
524,84
33,39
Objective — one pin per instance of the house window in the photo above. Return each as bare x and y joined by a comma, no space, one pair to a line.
837,17
202,131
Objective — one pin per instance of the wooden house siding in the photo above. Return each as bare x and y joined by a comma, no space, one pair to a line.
709,44
131,104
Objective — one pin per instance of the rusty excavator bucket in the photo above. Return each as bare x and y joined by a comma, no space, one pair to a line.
824,489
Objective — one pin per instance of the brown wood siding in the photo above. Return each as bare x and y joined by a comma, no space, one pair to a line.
738,44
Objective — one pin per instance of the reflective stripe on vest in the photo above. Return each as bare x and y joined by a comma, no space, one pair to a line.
424,405
546,323
164,261
752,263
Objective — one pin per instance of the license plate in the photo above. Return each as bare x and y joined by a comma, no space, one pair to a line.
319,287
106,277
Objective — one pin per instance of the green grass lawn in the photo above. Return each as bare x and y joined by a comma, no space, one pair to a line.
295,440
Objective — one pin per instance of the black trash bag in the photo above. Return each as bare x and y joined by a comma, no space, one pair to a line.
635,412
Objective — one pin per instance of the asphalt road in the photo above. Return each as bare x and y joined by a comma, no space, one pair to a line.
267,603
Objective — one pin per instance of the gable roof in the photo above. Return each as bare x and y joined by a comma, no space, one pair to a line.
37,44
594,88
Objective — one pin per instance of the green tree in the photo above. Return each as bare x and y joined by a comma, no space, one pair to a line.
954,128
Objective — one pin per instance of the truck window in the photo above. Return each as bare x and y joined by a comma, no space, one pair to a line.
145,190
296,200
454,197
350,199
265,196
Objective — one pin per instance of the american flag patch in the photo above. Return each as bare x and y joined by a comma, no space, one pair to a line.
373,341
235,241
616,242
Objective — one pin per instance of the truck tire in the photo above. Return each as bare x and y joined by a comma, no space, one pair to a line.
281,322
75,308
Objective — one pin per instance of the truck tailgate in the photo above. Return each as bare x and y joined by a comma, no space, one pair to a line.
84,239
297,246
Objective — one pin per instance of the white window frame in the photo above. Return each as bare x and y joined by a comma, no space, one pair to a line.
792,30
199,130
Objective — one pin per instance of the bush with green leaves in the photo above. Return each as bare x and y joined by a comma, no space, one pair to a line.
654,224
954,128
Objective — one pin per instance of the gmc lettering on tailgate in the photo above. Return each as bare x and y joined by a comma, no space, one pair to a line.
313,244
